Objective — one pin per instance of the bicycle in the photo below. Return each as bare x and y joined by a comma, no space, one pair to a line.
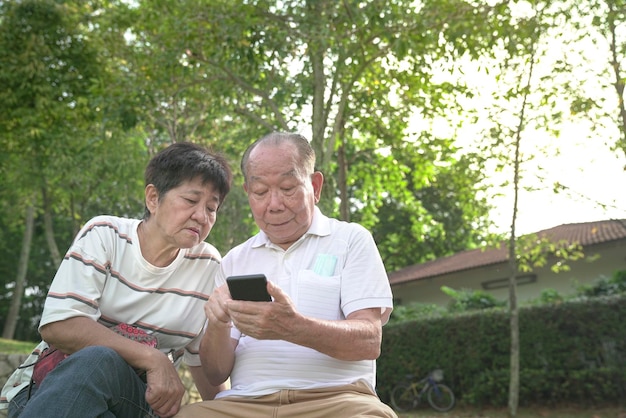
407,394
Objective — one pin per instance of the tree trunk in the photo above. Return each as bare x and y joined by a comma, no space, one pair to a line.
514,381
20,281
619,79
52,245
513,309
515,349
49,230
513,267
344,210
319,120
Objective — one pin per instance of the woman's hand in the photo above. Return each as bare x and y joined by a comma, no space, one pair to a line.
165,390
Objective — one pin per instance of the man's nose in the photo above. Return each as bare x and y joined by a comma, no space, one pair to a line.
276,199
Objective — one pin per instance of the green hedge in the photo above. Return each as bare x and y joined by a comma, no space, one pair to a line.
572,352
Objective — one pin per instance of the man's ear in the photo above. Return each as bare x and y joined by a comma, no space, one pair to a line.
317,179
152,198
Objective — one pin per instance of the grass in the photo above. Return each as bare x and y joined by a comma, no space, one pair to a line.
537,412
16,347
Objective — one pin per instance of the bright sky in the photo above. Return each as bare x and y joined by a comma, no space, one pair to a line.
579,159
596,182
593,176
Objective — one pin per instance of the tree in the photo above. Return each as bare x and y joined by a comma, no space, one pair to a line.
20,281
50,120
437,212
530,105
608,17
616,16
42,75
94,88
351,74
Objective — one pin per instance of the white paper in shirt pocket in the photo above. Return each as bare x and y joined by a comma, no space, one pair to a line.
325,264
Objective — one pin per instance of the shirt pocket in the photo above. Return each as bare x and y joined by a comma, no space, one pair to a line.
319,296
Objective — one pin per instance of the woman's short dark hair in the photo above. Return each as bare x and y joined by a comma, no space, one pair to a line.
185,161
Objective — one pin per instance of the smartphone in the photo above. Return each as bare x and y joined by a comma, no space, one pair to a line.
251,287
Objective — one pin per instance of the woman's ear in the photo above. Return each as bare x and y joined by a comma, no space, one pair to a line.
152,198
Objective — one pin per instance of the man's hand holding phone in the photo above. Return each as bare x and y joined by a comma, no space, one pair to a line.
240,289
265,321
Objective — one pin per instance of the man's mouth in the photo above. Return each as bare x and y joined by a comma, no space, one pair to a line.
277,225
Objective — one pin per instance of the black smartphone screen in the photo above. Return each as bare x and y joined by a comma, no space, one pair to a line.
252,287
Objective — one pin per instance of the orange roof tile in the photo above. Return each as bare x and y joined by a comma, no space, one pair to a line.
586,234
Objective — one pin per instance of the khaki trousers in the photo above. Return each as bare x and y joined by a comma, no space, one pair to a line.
354,400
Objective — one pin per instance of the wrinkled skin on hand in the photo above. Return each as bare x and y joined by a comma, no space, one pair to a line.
265,320
261,320
215,309
165,390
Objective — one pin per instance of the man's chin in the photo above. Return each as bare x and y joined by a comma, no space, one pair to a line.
281,239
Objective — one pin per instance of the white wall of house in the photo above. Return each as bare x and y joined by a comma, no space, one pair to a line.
600,261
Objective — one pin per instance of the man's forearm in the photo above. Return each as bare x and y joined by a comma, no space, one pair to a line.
350,340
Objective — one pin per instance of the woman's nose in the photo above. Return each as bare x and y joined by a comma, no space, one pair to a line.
201,215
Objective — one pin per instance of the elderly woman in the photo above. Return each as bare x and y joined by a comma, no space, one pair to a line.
126,304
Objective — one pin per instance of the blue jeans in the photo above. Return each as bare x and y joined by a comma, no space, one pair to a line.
93,382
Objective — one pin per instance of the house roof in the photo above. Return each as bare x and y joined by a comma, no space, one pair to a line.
586,234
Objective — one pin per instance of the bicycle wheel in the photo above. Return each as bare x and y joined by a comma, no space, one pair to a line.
403,398
440,397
